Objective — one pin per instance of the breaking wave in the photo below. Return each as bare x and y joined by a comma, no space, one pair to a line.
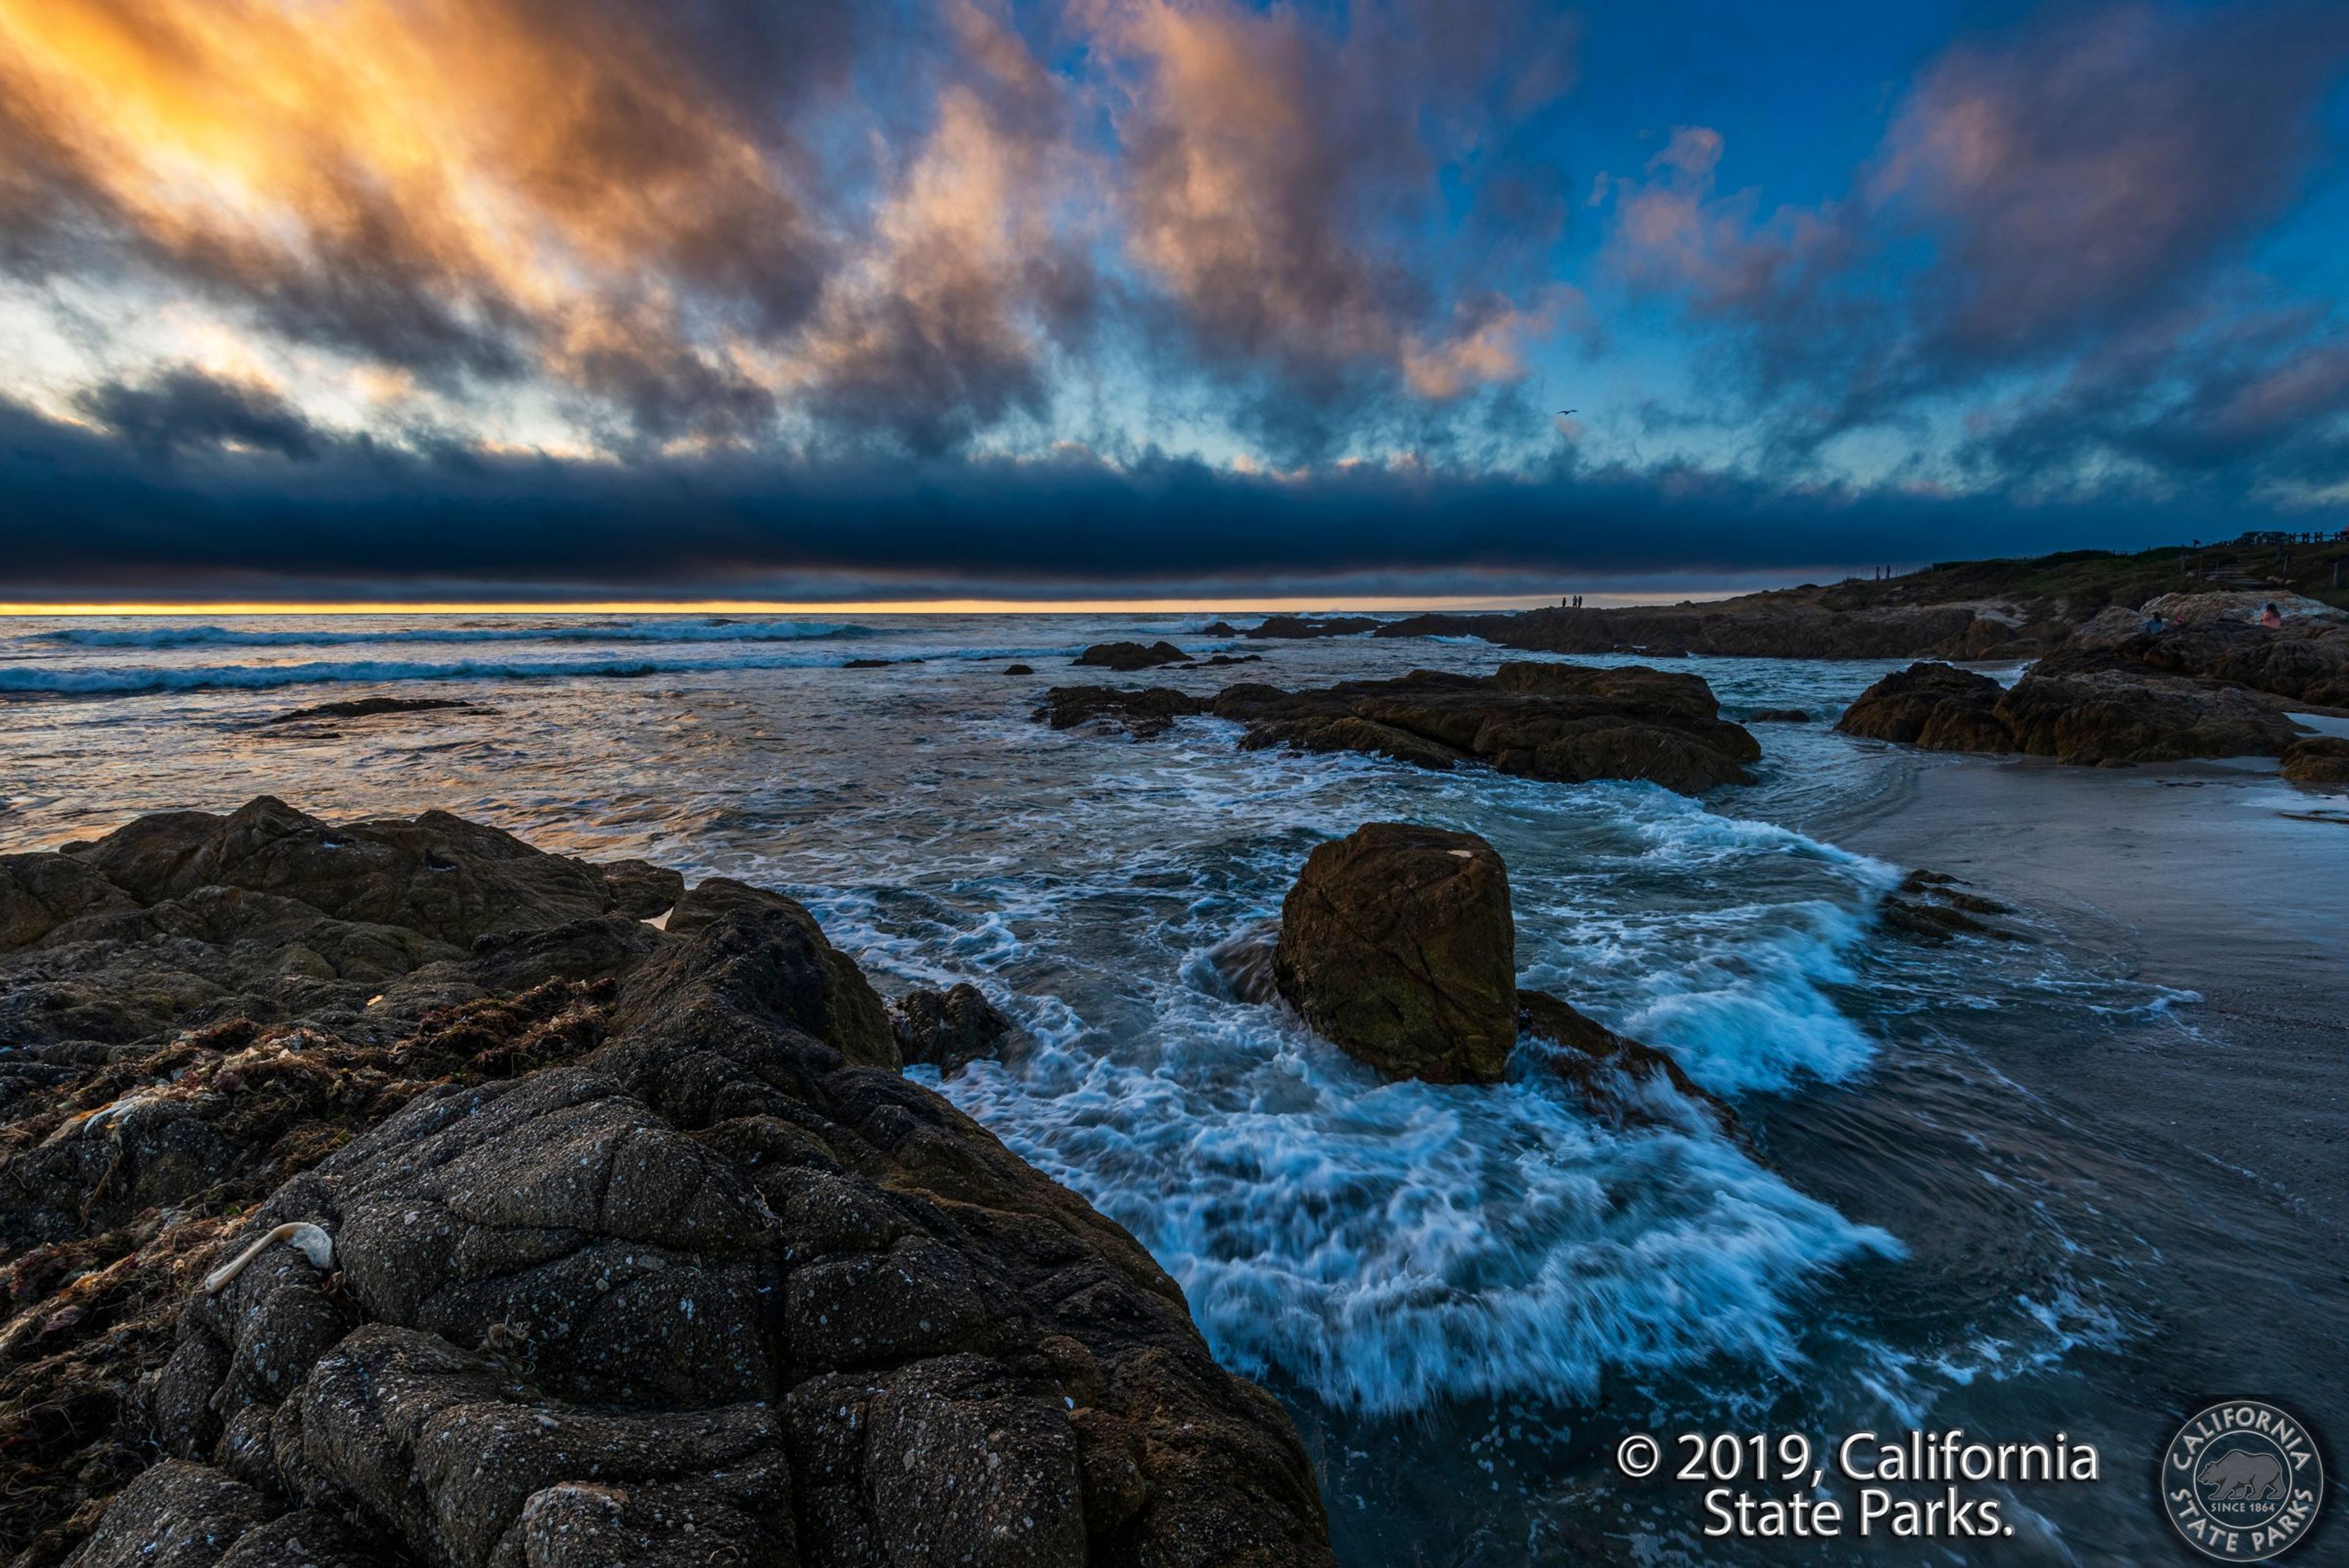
1394,1246
575,631
128,680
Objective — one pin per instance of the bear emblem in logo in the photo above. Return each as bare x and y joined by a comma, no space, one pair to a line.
2242,1481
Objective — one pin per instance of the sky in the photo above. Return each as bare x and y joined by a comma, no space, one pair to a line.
1084,298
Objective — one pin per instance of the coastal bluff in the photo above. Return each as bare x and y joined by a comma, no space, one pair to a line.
595,1225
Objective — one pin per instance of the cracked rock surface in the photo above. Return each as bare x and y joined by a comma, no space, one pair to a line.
643,1251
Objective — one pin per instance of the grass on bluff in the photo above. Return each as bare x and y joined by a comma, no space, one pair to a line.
2088,580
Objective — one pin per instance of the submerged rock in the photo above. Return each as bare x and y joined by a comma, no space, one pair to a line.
1127,656
1781,716
1019,669
1929,907
1397,945
948,1030
665,1265
371,707
1242,963
1146,715
1615,1075
1558,721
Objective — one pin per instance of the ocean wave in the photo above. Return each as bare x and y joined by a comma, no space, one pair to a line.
131,680
615,631
1396,1246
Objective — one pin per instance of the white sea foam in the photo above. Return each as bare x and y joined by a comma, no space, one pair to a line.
1393,1246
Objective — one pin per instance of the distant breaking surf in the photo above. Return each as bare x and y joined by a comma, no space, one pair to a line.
131,680
610,631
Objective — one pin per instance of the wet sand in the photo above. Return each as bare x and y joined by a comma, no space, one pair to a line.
2214,878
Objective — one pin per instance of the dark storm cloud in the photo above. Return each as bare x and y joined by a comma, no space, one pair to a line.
363,518
185,407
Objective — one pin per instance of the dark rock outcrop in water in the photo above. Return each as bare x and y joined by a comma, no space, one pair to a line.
1937,706
1397,945
2078,706
1143,714
635,1249
2091,708
1299,628
1558,721
1129,656
371,707
948,1030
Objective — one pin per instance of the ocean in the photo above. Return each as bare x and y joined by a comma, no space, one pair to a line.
1465,1296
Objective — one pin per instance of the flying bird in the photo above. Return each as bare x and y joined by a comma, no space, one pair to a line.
1563,412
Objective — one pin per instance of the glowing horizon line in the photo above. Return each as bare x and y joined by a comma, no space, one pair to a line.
1282,606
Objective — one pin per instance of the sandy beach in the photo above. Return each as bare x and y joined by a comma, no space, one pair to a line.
2214,878
2219,1126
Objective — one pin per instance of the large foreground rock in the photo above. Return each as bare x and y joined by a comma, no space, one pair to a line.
641,1251
1397,945
2306,661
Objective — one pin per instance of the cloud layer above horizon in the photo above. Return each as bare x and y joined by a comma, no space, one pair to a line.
936,292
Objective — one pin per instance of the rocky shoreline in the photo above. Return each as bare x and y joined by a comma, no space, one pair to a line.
1960,610
631,1243
2207,686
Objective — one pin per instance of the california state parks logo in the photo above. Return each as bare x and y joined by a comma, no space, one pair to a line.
2242,1481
